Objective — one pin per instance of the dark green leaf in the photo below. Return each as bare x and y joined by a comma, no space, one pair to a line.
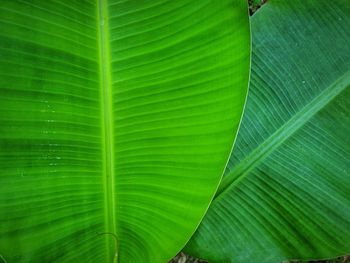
286,192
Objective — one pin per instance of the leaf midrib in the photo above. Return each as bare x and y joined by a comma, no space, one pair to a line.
107,126
282,134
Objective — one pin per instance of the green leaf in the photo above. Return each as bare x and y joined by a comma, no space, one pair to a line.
116,121
286,190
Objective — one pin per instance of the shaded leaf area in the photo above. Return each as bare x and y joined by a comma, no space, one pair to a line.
285,191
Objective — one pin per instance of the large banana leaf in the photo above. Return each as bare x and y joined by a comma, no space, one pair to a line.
286,190
116,121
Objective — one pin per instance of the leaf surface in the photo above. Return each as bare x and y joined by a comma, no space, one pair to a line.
285,192
116,121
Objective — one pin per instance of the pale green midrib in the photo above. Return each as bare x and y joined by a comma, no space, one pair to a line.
283,133
107,126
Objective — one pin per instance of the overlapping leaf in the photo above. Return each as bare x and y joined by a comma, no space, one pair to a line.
286,191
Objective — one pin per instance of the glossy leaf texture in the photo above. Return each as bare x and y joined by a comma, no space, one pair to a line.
285,192
116,121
